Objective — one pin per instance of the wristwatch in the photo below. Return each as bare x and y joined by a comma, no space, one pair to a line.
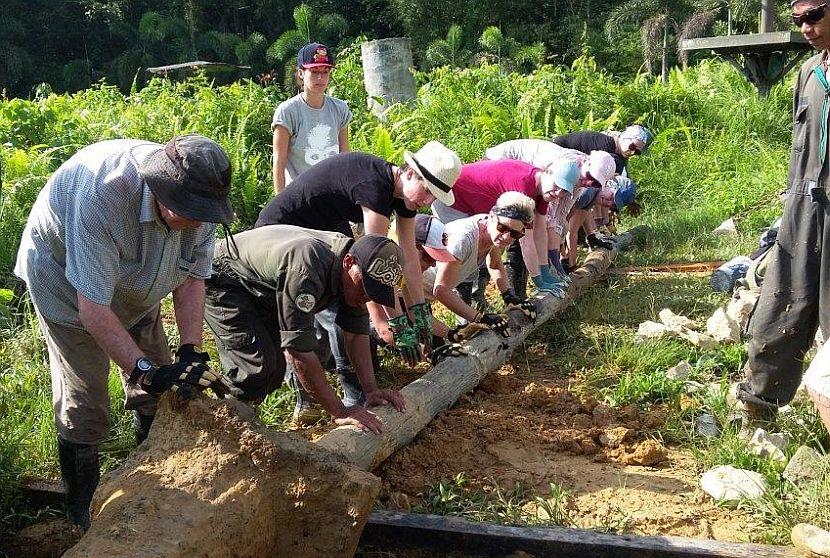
142,367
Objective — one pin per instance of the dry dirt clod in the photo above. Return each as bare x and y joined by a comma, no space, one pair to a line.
647,453
582,421
46,539
615,437
603,415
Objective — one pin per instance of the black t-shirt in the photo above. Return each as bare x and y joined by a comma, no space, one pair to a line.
333,192
592,141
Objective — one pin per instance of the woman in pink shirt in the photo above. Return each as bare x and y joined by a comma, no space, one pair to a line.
478,188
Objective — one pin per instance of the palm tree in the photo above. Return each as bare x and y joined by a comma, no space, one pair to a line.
657,19
449,51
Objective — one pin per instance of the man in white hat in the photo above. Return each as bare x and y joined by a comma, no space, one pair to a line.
361,188
119,226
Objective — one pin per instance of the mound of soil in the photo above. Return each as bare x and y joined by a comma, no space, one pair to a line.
211,481
524,425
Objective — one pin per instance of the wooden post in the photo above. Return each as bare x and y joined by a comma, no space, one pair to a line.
441,387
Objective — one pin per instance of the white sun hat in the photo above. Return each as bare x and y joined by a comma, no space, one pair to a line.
601,165
439,166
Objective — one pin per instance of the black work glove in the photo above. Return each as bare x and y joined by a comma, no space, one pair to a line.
186,379
465,332
599,241
566,265
509,297
527,307
188,353
496,322
446,350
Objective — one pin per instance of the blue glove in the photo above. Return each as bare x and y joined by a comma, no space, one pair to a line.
547,276
555,263
553,287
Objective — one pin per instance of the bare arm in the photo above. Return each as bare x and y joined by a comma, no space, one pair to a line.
105,327
189,306
446,278
412,260
496,268
343,139
529,245
357,347
282,138
540,238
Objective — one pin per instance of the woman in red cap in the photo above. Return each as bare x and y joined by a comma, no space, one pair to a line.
310,126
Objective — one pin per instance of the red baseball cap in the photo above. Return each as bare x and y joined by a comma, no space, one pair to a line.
315,55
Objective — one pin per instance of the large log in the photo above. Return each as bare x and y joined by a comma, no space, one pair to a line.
440,388
212,481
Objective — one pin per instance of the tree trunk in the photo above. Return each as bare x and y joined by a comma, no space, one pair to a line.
440,388
664,73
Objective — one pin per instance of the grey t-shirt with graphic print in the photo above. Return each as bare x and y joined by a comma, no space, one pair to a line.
314,132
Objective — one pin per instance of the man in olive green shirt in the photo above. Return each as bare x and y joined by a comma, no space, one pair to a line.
261,304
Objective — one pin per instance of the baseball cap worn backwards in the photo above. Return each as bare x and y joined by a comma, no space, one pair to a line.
562,174
315,55
429,233
191,176
625,191
381,264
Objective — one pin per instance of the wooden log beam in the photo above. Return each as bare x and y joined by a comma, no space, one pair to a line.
441,387
393,531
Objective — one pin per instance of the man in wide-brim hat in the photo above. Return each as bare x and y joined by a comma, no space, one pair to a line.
119,226
362,188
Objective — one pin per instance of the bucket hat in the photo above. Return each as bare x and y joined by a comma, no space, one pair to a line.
191,176
439,166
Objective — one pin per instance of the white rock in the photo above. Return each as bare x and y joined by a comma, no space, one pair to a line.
650,330
702,340
740,308
806,464
726,228
679,371
726,483
723,328
674,320
768,445
692,387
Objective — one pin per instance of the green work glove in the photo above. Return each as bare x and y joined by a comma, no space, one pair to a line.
405,338
422,314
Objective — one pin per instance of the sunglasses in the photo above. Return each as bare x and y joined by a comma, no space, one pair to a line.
636,150
811,16
514,234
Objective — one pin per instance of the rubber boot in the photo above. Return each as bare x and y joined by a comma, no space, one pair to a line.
479,294
755,413
352,391
81,472
141,426
516,271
